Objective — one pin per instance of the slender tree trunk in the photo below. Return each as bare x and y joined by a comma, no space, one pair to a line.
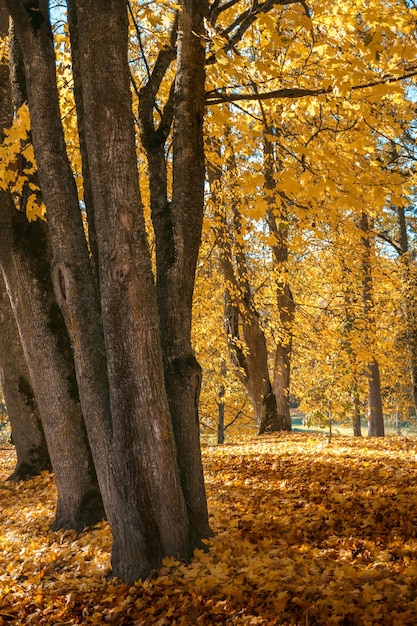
220,417
376,419
174,269
221,405
25,262
177,252
284,299
27,432
356,422
79,105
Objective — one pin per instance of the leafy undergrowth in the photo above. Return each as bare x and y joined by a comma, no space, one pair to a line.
306,533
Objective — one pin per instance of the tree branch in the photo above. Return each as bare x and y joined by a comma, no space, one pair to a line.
217,96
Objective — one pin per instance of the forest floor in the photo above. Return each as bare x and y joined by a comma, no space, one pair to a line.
307,533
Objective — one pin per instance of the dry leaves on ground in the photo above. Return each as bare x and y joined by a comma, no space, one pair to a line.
306,533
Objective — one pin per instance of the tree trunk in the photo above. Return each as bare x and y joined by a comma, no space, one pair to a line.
144,524
177,227
240,312
25,260
220,417
27,432
409,278
284,299
376,419
252,364
356,422
376,426
282,378
138,396
128,420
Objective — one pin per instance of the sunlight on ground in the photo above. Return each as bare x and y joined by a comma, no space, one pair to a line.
306,533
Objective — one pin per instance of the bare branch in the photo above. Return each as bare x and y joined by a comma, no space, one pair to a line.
246,19
217,96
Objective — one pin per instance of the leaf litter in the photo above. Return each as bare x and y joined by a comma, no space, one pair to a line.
306,533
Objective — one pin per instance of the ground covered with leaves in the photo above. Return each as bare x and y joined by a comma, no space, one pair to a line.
307,533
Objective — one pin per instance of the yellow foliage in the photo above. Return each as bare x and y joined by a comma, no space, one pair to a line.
17,163
306,532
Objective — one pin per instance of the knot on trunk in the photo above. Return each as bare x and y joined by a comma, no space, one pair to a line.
60,282
121,270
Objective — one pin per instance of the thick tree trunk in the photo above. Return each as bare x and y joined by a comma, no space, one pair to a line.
73,277
27,432
138,397
259,384
376,426
132,443
281,385
26,263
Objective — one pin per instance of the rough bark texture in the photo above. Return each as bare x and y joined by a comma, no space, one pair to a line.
177,227
251,364
25,260
128,420
143,451
79,105
183,373
28,437
27,432
376,426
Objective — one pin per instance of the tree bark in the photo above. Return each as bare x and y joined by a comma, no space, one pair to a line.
128,420
177,226
284,299
139,403
251,364
136,547
25,260
27,432
376,426
409,278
